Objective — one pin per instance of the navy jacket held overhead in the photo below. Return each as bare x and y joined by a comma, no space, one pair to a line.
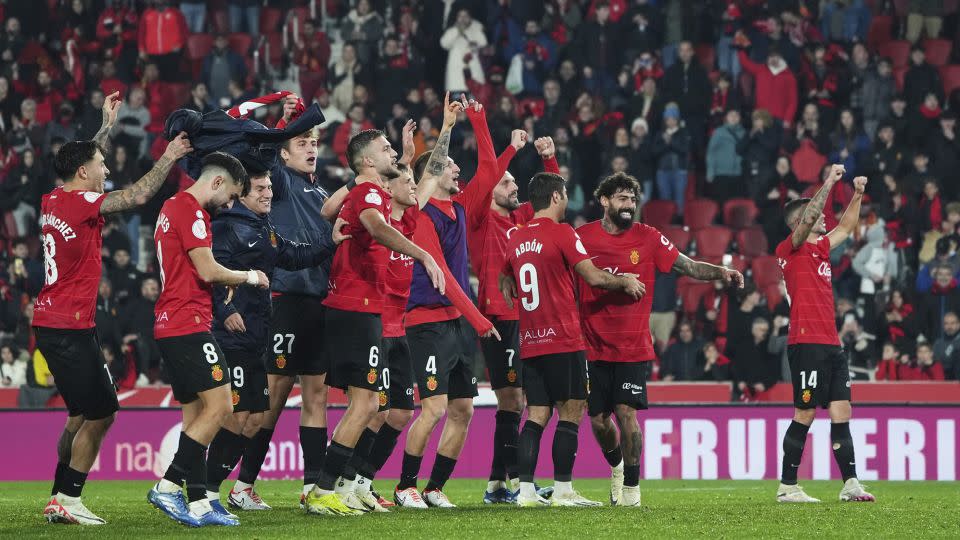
243,240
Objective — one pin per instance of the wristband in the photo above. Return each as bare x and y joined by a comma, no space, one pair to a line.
252,278
351,184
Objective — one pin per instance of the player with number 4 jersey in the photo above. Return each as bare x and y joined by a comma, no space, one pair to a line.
818,367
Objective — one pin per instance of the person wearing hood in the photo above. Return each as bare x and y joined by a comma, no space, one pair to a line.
943,297
671,148
876,262
776,85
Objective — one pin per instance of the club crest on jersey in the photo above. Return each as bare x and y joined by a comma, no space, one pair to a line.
634,256
216,373
431,383
372,376
281,361
235,396
273,239
383,398
805,397
511,376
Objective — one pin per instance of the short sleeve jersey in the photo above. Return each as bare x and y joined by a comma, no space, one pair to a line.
617,327
185,305
398,275
808,276
359,266
488,249
541,257
70,225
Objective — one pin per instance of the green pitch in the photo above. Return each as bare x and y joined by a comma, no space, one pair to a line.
671,509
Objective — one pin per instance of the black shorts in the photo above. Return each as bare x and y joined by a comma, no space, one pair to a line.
552,378
616,383
442,355
296,336
79,371
248,381
353,351
396,392
194,363
502,358
820,375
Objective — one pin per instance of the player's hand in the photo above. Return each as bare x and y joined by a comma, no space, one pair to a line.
234,323
860,184
338,235
409,149
545,147
436,275
518,139
731,276
836,173
633,286
111,106
509,289
263,280
492,332
290,106
450,111
471,105
178,147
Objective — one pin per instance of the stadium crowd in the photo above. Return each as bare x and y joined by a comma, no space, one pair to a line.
724,110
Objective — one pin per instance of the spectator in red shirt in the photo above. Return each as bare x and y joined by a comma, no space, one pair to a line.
355,123
47,97
776,86
110,83
928,368
889,362
161,37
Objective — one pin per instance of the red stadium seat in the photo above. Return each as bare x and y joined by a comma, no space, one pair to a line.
690,291
766,271
773,296
737,262
270,20
898,51
198,46
898,75
659,213
240,42
680,236
707,56
699,213
938,51
273,48
950,75
807,162
739,213
752,242
901,7
713,241
881,30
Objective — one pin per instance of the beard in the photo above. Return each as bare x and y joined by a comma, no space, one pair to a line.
389,173
510,203
617,217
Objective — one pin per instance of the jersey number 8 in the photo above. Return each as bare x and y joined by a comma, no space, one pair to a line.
49,264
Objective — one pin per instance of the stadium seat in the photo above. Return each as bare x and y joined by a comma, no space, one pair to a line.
950,75
752,242
737,262
766,271
240,43
707,56
807,162
272,49
901,7
938,51
713,241
270,20
680,236
739,213
699,213
198,46
898,75
690,291
773,295
898,51
659,213
881,30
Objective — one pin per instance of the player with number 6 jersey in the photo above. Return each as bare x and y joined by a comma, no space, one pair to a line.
71,221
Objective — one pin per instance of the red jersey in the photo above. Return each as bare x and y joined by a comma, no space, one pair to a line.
70,224
185,305
617,327
807,272
359,265
487,242
540,257
398,276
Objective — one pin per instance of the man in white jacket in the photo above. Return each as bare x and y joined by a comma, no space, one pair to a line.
463,42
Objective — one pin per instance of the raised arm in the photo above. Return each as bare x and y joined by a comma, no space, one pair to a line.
216,274
111,106
438,158
686,266
851,215
145,188
547,151
476,194
814,208
331,206
390,238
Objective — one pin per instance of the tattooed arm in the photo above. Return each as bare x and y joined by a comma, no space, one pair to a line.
146,187
814,208
851,215
438,158
111,106
686,266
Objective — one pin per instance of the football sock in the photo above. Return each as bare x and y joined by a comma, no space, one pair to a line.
358,462
409,471
528,450
183,460
313,441
337,457
72,482
197,475
223,455
58,477
505,440
843,450
253,455
614,457
442,469
631,475
564,450
380,452
793,442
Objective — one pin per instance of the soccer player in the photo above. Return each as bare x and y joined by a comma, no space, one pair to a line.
541,258
818,366
199,373
441,341
353,323
71,220
617,329
243,237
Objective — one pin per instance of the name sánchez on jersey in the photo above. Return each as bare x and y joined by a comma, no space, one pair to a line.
530,246
65,229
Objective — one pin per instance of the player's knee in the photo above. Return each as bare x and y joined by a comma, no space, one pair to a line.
626,417
399,418
572,410
510,399
460,411
804,416
253,424
598,424
840,412
539,415
433,409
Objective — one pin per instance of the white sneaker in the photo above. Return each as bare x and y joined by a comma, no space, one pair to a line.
246,499
853,492
793,494
64,509
142,381
631,496
616,484
353,502
572,498
362,491
437,499
531,501
409,498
